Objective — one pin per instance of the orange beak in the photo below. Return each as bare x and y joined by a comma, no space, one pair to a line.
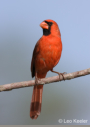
44,25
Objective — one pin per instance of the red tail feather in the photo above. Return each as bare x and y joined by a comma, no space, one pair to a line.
36,101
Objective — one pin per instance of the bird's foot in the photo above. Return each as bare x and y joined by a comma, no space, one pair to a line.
59,74
37,80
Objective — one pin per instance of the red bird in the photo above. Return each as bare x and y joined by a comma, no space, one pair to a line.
46,55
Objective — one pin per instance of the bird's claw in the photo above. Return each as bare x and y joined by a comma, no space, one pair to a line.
36,80
60,74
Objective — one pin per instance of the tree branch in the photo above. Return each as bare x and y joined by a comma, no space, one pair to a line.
68,76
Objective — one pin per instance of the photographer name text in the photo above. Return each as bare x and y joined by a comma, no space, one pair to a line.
72,121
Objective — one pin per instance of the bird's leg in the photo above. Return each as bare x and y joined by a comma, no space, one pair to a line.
59,74
36,79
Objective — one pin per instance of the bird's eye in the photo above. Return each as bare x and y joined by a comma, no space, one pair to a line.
50,23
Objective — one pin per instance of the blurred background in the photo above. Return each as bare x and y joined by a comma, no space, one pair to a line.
19,32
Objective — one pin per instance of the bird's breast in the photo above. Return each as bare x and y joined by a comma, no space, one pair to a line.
49,54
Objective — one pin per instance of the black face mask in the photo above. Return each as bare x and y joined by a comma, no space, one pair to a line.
47,32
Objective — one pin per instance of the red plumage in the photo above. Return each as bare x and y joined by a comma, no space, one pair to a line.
46,55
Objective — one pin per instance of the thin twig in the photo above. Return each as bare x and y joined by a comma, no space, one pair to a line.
68,76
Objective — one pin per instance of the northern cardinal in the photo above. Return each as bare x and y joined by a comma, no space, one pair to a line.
46,55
